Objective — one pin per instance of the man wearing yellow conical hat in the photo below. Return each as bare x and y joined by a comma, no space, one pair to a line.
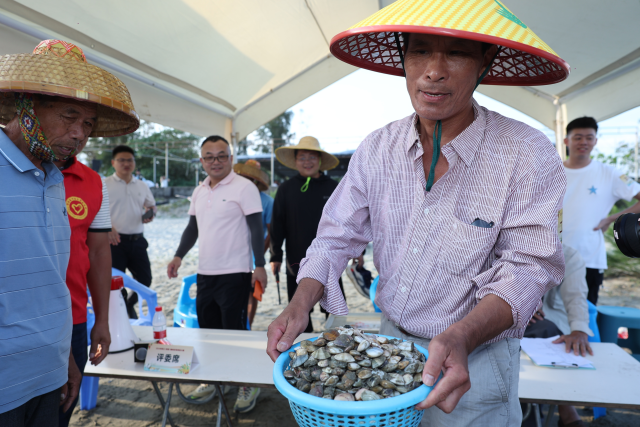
460,202
51,102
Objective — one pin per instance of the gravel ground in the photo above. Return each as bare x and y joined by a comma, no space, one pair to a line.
127,403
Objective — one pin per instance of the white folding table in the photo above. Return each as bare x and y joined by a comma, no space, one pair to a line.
238,358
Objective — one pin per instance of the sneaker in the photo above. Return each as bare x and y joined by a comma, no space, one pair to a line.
206,390
247,398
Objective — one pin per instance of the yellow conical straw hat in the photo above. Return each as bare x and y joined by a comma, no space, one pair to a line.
524,60
59,68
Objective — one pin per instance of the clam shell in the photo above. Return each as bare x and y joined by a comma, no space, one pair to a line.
382,340
316,373
387,392
335,350
331,335
324,377
365,373
329,391
343,357
300,351
292,354
353,366
288,374
323,363
408,379
378,362
332,380
396,379
308,345
368,395
390,366
347,397
292,381
320,342
299,360
411,368
338,371
402,365
358,339
343,340
365,362
358,394
359,383
363,345
317,391
377,389
310,362
373,381
387,384
374,352
349,375
321,354
303,385
406,345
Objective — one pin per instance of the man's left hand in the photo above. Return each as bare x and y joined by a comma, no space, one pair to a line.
152,208
100,341
577,341
447,353
72,387
260,275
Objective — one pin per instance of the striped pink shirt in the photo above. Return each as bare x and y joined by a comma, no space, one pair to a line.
434,265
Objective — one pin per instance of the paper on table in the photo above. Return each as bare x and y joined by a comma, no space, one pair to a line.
544,353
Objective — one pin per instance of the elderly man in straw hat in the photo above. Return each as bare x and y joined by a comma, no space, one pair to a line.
461,203
51,101
226,214
298,207
251,170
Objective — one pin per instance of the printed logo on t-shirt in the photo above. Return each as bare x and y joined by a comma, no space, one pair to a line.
77,208
593,190
625,179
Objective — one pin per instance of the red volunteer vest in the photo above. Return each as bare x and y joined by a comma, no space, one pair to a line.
83,188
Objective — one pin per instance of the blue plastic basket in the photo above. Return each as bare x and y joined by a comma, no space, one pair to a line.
312,411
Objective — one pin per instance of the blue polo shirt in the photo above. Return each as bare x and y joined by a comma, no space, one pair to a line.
35,307
267,210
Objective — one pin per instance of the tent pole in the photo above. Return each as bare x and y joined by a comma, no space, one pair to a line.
166,160
154,169
272,152
560,125
636,157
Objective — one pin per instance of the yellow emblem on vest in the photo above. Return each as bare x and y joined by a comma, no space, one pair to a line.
77,208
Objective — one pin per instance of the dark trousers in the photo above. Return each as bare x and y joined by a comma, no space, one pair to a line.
291,290
132,255
221,300
41,411
79,349
594,280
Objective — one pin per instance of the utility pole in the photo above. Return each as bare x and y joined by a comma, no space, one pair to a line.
166,160
154,169
272,162
636,157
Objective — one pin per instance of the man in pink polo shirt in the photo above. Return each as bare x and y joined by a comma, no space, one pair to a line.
226,211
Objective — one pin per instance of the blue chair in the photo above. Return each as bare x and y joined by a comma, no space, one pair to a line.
184,315
90,385
372,294
610,318
593,325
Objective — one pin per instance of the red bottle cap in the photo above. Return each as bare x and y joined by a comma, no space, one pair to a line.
117,283
158,308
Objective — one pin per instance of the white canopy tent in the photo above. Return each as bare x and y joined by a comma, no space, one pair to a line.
229,66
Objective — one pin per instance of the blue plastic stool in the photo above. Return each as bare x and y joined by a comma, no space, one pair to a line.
610,318
89,386
593,325
185,315
372,294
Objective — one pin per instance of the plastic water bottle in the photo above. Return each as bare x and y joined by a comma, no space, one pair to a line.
159,324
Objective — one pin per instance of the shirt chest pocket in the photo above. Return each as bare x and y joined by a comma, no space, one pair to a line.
467,248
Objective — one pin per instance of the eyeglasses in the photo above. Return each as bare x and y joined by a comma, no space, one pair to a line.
307,158
221,159
121,160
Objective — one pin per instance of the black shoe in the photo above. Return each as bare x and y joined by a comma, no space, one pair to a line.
131,311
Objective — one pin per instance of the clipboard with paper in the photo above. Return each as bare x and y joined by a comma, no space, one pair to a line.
543,352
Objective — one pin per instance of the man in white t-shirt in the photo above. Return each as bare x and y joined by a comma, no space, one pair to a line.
592,190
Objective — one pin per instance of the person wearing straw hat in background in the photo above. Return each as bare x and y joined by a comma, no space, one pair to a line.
51,102
226,213
251,170
298,207
461,203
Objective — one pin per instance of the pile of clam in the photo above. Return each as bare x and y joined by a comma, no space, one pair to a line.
346,364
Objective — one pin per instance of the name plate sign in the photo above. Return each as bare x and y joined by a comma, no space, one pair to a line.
172,359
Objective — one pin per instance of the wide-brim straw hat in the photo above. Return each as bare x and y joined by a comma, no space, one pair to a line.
287,156
524,60
251,169
58,68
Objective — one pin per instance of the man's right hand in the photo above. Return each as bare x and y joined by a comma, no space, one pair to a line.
114,237
275,267
294,319
172,268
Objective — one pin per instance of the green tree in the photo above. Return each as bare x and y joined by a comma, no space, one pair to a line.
148,142
278,130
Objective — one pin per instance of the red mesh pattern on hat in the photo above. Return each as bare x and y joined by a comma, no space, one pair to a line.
61,49
377,51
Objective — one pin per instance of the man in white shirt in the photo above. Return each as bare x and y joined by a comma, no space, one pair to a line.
129,200
592,190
